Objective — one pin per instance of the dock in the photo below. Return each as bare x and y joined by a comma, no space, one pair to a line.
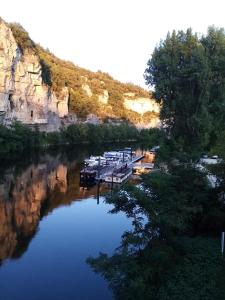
143,165
99,173
136,159
109,169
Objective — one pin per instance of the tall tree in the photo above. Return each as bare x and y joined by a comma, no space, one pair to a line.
179,72
214,44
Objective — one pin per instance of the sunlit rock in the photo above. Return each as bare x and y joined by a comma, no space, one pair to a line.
23,96
141,105
104,97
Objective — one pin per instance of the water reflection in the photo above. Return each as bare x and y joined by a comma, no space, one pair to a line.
26,197
31,189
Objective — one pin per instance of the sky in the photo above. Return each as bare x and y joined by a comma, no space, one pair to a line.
114,36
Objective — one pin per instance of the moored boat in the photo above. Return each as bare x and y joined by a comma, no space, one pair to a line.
112,166
87,176
119,175
95,161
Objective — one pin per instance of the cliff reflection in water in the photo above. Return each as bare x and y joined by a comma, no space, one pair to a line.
27,197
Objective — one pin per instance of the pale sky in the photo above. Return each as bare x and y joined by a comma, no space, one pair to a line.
115,36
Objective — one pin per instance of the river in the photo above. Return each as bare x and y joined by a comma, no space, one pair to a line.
49,225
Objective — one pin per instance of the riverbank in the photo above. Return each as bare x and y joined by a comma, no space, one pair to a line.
19,137
173,250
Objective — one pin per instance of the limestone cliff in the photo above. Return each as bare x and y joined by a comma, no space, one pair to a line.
23,96
37,88
141,106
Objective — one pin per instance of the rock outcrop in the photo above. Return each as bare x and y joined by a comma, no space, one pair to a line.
141,105
87,90
23,96
37,88
132,102
104,97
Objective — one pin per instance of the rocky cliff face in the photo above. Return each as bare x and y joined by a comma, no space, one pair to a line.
38,88
143,105
131,102
139,104
23,96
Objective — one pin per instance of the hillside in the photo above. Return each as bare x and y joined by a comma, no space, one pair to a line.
88,93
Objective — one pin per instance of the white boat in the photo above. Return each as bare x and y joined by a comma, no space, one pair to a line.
95,160
113,162
113,154
119,174
120,155
118,178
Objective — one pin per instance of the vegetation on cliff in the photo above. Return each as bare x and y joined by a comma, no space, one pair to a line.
22,38
59,73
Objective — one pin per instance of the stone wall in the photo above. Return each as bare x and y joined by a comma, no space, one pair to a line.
23,96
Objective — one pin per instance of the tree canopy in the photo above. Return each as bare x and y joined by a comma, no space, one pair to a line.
171,251
187,71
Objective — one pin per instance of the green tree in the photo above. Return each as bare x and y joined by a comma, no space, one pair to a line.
214,44
163,255
179,71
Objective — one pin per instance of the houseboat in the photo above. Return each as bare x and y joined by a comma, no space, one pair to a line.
119,155
87,177
119,175
93,161
112,166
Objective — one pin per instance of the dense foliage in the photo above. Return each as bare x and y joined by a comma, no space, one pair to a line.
188,74
58,74
169,253
19,137
173,248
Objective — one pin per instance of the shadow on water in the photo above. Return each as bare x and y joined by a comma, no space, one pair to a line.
32,188
33,185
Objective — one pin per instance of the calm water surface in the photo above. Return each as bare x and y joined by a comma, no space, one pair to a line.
49,225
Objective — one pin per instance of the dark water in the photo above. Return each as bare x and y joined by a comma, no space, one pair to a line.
49,225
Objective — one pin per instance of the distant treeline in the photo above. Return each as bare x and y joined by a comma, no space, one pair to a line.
19,137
